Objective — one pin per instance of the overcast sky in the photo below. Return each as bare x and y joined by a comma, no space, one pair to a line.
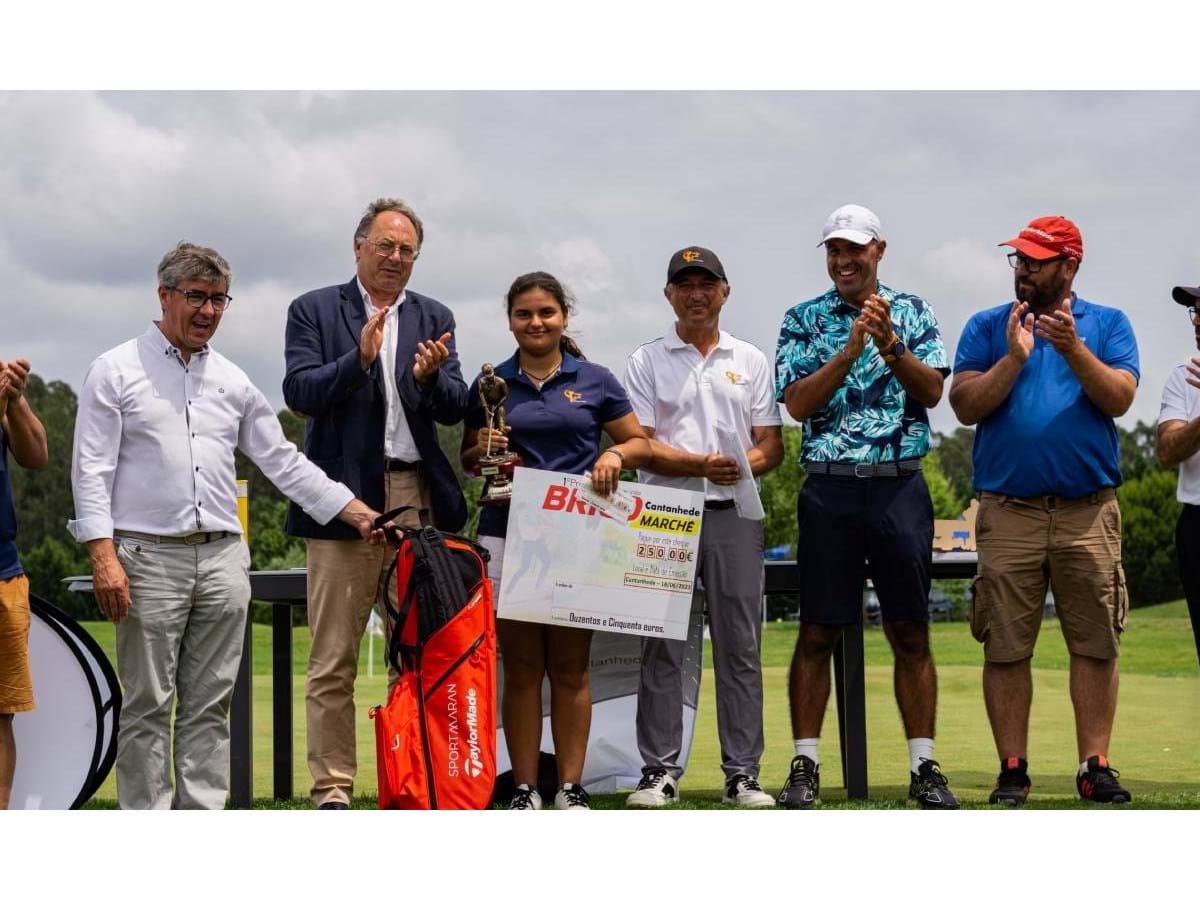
597,188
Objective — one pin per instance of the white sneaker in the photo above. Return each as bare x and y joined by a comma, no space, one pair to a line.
744,791
572,796
656,789
525,797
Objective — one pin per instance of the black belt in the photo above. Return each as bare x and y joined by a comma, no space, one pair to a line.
718,504
865,470
196,537
400,465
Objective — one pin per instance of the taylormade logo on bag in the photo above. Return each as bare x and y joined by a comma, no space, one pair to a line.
475,763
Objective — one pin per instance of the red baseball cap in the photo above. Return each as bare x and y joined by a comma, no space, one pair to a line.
1048,237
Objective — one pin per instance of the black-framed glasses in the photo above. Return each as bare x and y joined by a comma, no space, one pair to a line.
1016,260
387,249
1194,314
197,299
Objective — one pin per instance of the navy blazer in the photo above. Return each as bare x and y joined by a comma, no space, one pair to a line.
345,406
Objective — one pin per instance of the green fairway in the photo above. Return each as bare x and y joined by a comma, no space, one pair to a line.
1156,740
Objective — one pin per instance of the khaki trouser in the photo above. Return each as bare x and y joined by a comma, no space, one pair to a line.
1072,546
179,647
345,579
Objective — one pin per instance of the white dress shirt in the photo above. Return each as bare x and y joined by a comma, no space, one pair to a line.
704,404
398,441
155,440
1181,402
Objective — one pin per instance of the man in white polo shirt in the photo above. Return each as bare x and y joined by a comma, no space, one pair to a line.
707,402
1179,444
153,477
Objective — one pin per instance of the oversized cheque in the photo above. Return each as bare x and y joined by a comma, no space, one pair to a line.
567,563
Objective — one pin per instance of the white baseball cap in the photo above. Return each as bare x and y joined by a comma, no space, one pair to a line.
853,223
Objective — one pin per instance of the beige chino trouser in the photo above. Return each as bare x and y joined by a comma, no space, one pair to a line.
179,648
345,579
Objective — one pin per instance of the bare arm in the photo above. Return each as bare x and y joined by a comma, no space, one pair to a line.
26,436
975,395
1110,389
805,396
1179,439
765,455
921,382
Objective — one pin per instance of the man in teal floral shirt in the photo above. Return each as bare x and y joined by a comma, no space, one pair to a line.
860,366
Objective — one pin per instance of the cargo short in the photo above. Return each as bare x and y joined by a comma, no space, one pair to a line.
16,681
1074,547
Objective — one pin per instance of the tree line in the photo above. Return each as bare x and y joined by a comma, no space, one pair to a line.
49,554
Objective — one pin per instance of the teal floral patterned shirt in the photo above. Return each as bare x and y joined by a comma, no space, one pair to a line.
869,418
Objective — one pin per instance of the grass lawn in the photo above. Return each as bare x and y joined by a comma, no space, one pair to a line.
1156,740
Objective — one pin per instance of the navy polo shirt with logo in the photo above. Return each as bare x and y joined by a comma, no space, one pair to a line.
1047,437
556,428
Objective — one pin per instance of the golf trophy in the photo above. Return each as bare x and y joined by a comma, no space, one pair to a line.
495,468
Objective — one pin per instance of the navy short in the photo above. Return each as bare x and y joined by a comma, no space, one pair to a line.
855,528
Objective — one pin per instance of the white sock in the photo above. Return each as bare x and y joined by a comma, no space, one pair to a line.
1083,767
918,749
807,747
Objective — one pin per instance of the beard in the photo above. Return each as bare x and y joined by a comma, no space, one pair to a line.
1044,296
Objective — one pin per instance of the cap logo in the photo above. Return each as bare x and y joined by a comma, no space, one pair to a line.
690,256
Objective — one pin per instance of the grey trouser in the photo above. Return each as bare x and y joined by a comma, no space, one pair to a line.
181,643
731,568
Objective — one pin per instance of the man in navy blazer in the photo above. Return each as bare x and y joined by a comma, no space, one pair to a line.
373,367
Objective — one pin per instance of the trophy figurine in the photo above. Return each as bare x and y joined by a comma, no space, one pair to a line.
496,468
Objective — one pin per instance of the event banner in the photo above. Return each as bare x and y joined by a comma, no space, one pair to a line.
625,565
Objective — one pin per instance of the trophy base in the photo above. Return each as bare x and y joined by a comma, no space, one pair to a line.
497,472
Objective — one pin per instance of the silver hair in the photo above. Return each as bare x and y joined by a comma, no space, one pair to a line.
388,204
185,262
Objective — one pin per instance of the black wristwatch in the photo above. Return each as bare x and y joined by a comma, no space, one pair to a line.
897,350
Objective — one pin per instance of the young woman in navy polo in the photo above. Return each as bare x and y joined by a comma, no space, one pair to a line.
556,406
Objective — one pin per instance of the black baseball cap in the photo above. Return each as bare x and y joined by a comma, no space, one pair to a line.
695,258
1186,296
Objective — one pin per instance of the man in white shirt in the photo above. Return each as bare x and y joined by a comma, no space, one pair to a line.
707,402
155,501
1179,444
372,366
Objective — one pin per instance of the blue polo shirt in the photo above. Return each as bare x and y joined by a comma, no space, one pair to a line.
10,563
556,428
1047,437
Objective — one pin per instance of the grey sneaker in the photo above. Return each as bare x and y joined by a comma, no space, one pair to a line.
656,789
742,790
572,796
525,797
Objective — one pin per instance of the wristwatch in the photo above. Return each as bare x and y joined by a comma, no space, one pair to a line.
897,350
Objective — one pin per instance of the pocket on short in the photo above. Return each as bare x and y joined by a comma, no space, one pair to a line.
1120,606
979,609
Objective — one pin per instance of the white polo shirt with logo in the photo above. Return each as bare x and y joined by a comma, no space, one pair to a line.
1180,402
702,404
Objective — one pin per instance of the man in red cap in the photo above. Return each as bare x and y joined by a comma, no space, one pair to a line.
1179,445
1044,377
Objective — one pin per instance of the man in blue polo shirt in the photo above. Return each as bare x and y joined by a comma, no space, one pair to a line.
859,366
1044,377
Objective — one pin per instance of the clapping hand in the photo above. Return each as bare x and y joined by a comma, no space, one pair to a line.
1020,332
370,341
877,316
1193,372
429,357
1059,328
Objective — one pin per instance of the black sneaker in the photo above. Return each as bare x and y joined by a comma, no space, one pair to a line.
1012,785
929,787
572,796
802,790
1099,783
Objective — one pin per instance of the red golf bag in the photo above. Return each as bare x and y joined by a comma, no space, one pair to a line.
435,739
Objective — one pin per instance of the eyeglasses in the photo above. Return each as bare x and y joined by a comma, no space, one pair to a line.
1016,260
197,299
386,249
1194,314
